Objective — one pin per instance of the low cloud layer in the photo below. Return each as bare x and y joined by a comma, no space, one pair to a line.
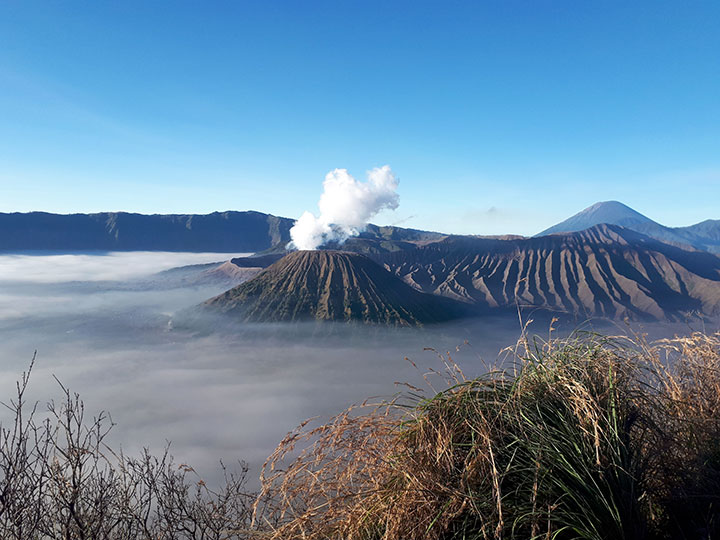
228,394
57,268
346,206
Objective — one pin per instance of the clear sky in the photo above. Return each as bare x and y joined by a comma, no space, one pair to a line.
497,116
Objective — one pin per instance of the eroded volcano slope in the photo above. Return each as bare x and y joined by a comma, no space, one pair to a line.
332,285
604,271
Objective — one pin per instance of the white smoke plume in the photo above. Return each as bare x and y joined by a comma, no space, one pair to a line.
346,206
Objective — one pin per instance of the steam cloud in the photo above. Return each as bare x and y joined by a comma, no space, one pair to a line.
346,206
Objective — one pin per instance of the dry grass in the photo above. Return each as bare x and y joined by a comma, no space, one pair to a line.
587,437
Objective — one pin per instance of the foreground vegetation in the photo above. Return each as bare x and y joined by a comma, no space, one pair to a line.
587,437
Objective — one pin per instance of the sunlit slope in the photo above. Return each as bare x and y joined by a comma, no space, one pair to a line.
605,271
332,285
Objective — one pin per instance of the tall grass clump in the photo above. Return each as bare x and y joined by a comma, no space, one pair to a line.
585,437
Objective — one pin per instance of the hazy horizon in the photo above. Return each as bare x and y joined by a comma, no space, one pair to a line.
402,223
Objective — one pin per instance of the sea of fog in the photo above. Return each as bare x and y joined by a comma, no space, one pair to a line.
105,329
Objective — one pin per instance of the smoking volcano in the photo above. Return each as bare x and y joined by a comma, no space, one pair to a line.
333,286
346,205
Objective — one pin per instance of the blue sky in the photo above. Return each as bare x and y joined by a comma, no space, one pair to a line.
496,116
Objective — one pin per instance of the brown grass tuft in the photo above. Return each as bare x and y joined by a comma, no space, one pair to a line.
585,437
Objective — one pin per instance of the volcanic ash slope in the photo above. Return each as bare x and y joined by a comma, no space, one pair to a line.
333,285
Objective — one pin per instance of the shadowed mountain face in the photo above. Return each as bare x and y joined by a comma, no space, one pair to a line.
332,285
604,271
219,231
704,235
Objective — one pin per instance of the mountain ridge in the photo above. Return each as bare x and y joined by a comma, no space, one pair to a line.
222,232
228,231
251,231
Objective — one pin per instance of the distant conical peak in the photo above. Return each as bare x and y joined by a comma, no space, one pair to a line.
607,203
610,212
612,206
704,236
